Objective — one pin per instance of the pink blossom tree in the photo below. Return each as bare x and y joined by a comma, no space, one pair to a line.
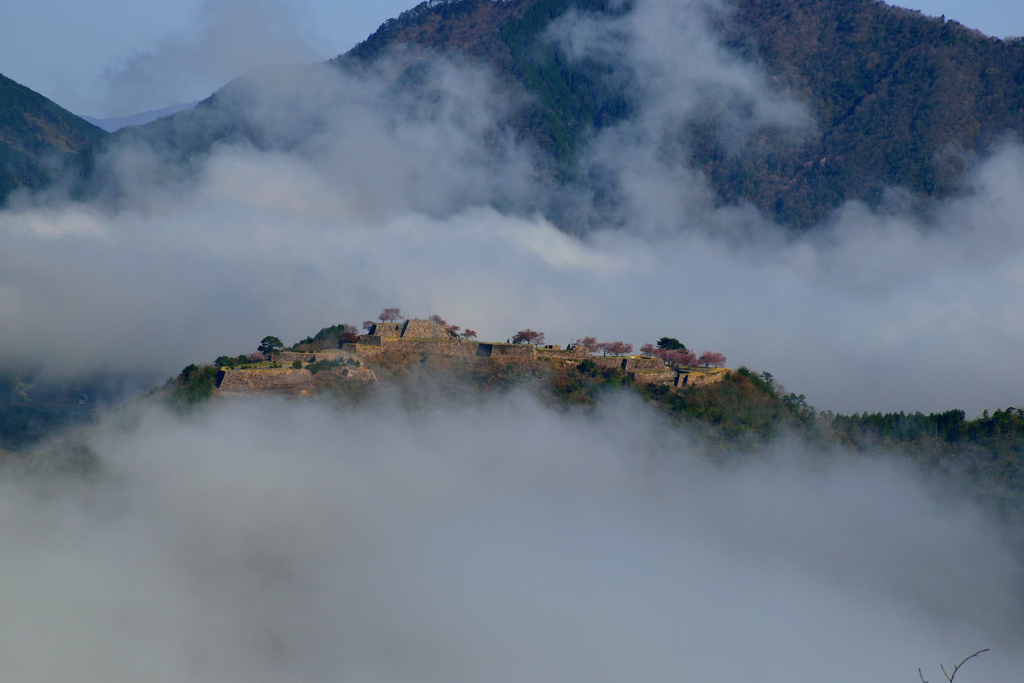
589,342
390,315
616,348
528,336
679,357
711,359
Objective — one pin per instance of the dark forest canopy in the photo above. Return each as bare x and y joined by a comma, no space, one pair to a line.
36,137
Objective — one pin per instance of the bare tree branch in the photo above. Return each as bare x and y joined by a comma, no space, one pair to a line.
950,677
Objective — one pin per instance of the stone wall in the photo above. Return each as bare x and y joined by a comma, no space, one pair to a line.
575,353
643,364
387,330
700,377
425,329
288,357
608,362
349,374
498,350
369,340
442,347
665,376
279,381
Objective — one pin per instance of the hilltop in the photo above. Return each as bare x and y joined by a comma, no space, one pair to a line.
729,411
392,352
423,365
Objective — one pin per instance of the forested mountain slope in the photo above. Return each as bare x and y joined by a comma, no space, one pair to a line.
897,99
36,136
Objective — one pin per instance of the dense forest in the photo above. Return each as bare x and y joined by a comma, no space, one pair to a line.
36,138
899,99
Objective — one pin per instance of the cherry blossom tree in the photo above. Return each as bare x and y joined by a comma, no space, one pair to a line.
678,357
528,336
469,334
390,315
615,348
368,325
438,320
711,359
589,342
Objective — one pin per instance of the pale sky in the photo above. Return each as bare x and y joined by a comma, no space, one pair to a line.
118,57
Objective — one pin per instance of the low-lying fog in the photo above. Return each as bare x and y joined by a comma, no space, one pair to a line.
270,541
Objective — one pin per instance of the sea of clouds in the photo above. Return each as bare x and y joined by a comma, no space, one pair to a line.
274,541
266,541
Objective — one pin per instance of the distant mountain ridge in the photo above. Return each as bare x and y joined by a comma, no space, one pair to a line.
112,125
899,99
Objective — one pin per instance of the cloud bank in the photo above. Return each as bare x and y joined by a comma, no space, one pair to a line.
227,39
272,541
404,185
267,541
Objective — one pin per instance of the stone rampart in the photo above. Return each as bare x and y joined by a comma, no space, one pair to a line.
699,377
608,362
387,330
281,381
370,340
349,374
575,353
643,364
425,329
498,350
441,347
665,376
308,357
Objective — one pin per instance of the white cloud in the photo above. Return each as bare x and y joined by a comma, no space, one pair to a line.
420,197
227,39
270,541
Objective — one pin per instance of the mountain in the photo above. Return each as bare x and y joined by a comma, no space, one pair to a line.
112,125
898,99
36,137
